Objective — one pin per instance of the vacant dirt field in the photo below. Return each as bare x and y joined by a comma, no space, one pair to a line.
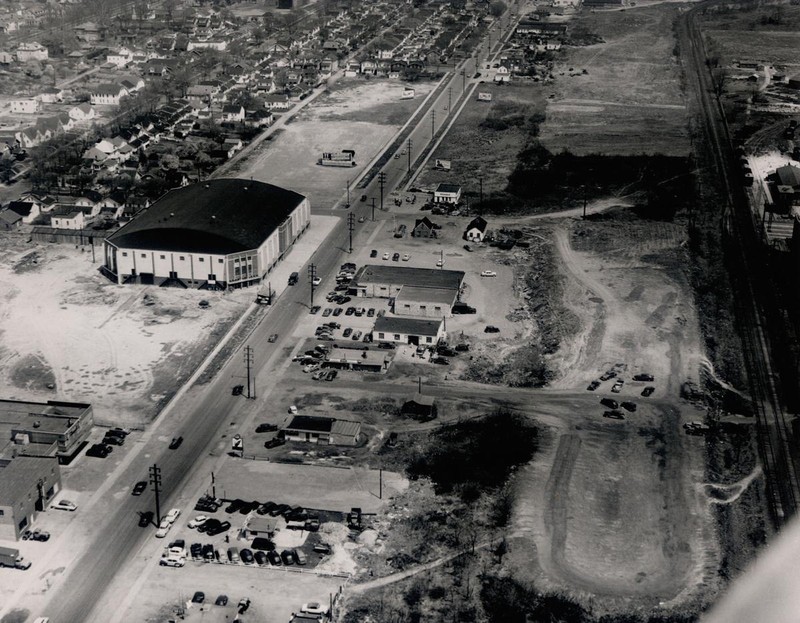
630,101
366,114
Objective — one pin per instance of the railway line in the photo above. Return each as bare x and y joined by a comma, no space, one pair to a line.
754,296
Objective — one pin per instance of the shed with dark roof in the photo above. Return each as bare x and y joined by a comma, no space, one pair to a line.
219,233
322,430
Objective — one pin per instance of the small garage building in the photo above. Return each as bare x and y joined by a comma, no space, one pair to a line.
408,330
322,430
357,359
425,302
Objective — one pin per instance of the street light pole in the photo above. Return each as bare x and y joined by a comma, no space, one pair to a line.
433,123
347,205
381,182
409,155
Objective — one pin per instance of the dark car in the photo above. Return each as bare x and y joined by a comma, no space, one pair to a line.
139,487
274,442
647,391
279,509
442,361
272,338
629,406
208,552
463,308
265,508
175,443
644,377
234,506
266,428
337,312
237,390
395,257
350,311
287,557
98,450
491,329
347,332
261,558
593,386
222,527
386,345
208,524
249,507
274,558
614,415
322,548
363,197
373,253
610,403
114,440
199,597
145,519
262,544
446,352
314,310
247,556
196,550
607,376
40,535
222,600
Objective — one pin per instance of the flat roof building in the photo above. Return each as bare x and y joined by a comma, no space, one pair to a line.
215,234
407,330
377,280
357,359
425,302
322,430
27,484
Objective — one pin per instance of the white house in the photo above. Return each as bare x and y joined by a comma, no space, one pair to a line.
51,95
31,52
25,106
81,112
121,58
476,230
108,94
73,219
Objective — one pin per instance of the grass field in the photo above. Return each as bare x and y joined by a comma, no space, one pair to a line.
630,100
771,47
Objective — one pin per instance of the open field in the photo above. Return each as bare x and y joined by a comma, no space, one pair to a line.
749,45
366,114
630,100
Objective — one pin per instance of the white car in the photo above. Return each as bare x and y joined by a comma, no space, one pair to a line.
406,257
314,607
488,273
172,515
197,521
163,528
386,256
293,410
172,561
316,281
64,505
440,262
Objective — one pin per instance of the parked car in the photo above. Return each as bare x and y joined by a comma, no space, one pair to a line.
593,386
287,557
299,557
208,552
222,600
314,309
350,311
237,390
442,361
219,528
175,443
234,506
614,415
274,558
629,406
337,312
64,505
274,442
356,336
488,273
331,374
322,548
197,521
617,388
172,515
386,256
347,332
272,338
247,556
163,528
199,597
208,524
145,518
40,535
114,440
265,508
196,550
172,561
139,487
644,377
491,329
314,607
648,391
373,253
607,376
98,450
266,428
395,257
406,257
260,558
610,403
327,312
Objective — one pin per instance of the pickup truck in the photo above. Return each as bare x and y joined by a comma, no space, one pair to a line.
10,557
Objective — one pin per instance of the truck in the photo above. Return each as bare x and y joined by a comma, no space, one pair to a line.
346,158
10,557
442,165
264,295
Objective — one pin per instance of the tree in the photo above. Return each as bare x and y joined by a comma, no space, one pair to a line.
497,8
719,78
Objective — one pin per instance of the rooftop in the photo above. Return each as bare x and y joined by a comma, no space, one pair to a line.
321,424
21,474
357,356
447,296
425,277
217,216
408,326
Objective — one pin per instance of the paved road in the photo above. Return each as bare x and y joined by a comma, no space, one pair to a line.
203,412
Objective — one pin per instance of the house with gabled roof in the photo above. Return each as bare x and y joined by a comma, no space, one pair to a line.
232,113
424,228
108,94
476,229
32,51
9,220
51,95
28,210
82,112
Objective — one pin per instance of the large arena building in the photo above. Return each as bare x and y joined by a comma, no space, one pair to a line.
215,234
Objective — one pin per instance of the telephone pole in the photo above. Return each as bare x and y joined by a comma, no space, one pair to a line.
449,98
248,362
351,225
347,205
373,209
312,274
480,181
433,123
382,182
155,481
463,80
408,145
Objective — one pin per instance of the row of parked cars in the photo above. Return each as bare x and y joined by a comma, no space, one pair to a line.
112,437
619,383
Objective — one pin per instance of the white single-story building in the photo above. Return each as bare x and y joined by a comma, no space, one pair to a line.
322,430
381,281
401,330
447,193
425,302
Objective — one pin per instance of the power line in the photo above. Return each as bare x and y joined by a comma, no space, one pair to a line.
155,481
382,183
312,275
248,362
351,225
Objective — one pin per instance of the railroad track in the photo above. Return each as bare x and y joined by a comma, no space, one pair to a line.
757,314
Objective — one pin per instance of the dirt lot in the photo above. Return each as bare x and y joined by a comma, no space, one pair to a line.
630,100
366,115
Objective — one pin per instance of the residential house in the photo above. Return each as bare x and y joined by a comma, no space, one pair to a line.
28,137
277,101
9,220
322,430
25,106
68,218
120,58
419,407
232,113
108,94
88,32
424,228
28,210
51,95
31,52
81,112
476,230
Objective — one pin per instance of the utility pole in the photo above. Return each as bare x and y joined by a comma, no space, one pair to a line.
155,481
463,80
408,146
449,98
380,484
351,225
347,205
373,209
312,274
584,201
382,183
433,123
480,181
248,362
